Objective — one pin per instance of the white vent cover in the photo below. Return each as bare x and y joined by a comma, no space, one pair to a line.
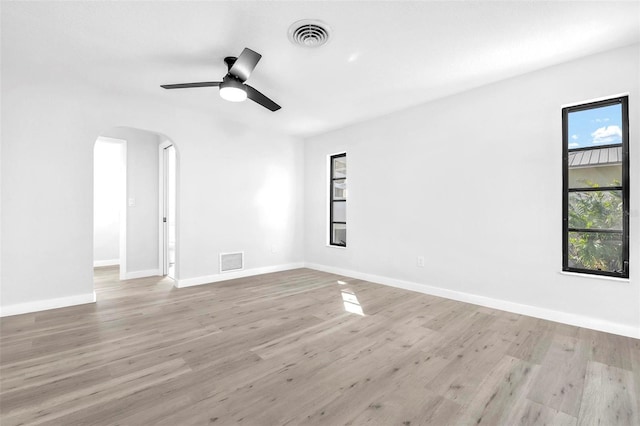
309,33
231,261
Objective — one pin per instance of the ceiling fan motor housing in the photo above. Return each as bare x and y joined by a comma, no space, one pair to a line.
230,60
231,81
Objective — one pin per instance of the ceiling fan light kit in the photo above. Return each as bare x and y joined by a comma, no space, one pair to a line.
233,87
233,91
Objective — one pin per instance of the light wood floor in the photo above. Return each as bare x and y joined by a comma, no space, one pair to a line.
292,348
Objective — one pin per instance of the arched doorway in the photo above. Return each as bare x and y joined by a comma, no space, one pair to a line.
146,194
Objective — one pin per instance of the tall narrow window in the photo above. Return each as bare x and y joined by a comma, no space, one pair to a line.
595,214
338,200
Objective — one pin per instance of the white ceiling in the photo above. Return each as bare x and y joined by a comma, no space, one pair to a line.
382,56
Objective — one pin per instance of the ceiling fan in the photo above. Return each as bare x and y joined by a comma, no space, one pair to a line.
233,87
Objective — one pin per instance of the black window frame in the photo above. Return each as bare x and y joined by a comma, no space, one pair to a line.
332,178
624,102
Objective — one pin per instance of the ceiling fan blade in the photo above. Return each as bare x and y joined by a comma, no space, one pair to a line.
188,85
258,97
245,64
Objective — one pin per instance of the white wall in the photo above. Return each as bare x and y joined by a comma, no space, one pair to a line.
473,183
108,197
238,188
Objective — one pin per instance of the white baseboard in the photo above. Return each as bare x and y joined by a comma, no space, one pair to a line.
140,274
208,279
504,305
43,305
108,262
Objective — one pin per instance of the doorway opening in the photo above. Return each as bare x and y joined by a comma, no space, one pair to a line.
168,209
136,229
109,210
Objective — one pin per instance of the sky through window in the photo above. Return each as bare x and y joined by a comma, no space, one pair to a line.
595,127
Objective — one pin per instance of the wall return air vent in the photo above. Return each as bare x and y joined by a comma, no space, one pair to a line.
231,261
309,33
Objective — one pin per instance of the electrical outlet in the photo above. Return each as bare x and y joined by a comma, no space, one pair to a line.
420,261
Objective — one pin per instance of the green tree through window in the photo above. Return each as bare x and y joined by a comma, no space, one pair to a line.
595,210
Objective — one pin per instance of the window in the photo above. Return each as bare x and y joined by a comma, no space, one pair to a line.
338,200
595,213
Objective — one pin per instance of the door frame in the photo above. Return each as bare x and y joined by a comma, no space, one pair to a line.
162,194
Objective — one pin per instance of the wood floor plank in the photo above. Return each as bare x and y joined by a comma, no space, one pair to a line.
411,403
466,370
533,339
609,397
53,406
305,347
634,350
369,386
527,412
607,348
505,386
560,381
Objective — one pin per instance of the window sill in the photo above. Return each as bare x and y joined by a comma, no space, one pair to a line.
336,247
597,277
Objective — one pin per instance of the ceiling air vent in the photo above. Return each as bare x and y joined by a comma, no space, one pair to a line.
309,33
